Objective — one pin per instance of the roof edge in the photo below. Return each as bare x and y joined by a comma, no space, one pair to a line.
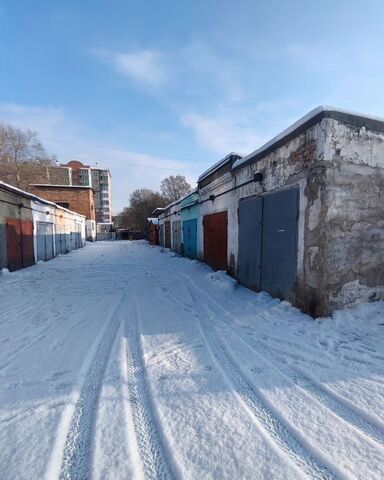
35,198
217,165
311,118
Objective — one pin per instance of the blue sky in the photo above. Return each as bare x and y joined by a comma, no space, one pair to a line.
153,88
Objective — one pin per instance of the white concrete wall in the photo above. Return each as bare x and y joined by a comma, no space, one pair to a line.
42,213
220,204
90,230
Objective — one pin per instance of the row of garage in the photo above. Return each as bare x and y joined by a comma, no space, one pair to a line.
301,218
267,238
33,229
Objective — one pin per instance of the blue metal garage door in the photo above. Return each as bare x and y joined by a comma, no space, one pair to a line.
190,238
250,231
268,243
279,243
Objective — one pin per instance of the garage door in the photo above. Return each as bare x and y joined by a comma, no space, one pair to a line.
279,244
268,243
161,235
167,234
19,243
215,240
250,230
60,240
44,238
190,238
176,235
78,243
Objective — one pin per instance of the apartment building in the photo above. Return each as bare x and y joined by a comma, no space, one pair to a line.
102,185
76,173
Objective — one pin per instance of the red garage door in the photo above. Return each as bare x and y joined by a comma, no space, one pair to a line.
19,243
215,240
153,234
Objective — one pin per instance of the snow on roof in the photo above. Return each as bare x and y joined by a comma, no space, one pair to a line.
35,198
311,118
217,165
158,211
153,220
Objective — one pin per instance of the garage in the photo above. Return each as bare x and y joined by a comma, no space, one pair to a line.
44,239
190,238
268,243
167,234
176,235
216,240
19,234
61,240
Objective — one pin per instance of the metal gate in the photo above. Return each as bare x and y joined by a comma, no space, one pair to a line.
250,231
190,238
153,234
167,234
60,240
176,235
44,235
161,235
215,240
19,243
78,243
268,243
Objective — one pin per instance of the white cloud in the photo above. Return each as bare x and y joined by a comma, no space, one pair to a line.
143,66
68,139
45,120
223,134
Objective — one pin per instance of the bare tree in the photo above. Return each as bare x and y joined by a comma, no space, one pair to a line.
23,159
174,187
142,203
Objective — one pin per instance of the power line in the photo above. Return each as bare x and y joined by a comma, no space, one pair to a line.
131,164
105,147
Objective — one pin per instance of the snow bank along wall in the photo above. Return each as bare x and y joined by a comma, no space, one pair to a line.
302,217
33,229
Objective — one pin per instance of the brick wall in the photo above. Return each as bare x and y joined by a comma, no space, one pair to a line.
79,199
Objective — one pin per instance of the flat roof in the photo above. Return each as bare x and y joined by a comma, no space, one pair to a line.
307,121
50,185
35,198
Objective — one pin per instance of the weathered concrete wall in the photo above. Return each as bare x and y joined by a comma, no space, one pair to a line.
339,169
295,163
354,217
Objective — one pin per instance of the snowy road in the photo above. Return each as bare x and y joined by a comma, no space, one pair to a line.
123,360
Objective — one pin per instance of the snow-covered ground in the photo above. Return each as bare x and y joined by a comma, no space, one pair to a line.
123,360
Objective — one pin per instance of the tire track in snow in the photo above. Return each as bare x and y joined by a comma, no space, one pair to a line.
314,467
77,448
353,415
149,442
363,422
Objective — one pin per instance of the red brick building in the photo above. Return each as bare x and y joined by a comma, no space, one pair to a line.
77,198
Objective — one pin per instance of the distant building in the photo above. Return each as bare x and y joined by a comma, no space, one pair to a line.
78,198
102,184
76,173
